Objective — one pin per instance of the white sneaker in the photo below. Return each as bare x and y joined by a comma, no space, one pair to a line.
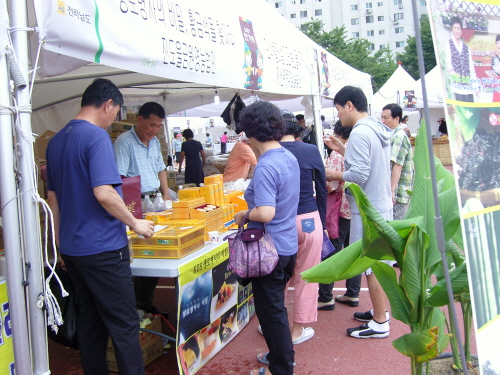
372,329
307,333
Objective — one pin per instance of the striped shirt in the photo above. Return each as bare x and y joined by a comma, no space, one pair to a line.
134,158
401,154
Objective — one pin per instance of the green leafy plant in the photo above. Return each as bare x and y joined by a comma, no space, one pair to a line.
414,299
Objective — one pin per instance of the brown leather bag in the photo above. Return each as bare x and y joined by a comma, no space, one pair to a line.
131,188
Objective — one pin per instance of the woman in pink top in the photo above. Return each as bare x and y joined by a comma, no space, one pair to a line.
336,162
223,141
240,159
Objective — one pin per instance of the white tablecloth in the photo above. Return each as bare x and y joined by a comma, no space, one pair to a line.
229,147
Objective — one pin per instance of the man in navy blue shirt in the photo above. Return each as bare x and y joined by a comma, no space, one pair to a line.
84,193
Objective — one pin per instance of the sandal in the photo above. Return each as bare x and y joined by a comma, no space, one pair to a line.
261,371
262,358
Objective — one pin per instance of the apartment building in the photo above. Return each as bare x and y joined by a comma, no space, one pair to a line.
385,23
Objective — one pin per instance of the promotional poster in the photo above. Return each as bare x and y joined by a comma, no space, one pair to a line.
467,42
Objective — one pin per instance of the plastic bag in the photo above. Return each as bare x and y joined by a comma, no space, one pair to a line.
327,247
66,334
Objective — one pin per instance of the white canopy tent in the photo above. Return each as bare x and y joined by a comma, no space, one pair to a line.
393,91
435,96
177,55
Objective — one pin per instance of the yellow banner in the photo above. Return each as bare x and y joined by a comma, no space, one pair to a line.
190,271
6,347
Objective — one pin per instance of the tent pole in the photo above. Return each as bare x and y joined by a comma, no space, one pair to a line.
165,130
29,207
438,220
10,214
316,107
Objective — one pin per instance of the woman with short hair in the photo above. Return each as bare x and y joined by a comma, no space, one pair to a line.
272,198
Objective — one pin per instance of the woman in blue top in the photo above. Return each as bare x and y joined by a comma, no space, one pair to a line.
272,197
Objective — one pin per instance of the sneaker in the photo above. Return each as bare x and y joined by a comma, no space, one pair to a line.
368,315
307,333
370,330
346,300
327,306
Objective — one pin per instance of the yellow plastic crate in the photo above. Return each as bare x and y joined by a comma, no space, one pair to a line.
172,237
169,253
181,215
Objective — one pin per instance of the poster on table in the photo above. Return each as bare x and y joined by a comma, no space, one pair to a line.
213,308
467,42
6,345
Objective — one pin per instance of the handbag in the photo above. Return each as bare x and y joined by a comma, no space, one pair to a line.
252,252
66,334
333,203
131,189
327,248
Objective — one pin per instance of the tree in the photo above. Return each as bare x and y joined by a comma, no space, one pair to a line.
353,51
409,58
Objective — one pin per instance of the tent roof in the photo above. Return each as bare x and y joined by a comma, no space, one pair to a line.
434,87
393,90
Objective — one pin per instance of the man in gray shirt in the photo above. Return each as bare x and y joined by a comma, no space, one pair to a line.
367,163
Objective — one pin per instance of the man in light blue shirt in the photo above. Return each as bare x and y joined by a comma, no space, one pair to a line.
138,153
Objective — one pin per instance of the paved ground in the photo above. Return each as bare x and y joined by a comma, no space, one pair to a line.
331,351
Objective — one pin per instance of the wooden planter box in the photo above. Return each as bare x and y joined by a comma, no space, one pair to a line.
441,150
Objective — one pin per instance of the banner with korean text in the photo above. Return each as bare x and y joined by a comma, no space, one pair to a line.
228,43
212,308
467,43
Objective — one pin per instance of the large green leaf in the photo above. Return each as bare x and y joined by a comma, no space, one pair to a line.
422,199
343,265
450,214
422,346
410,279
426,344
439,320
459,284
379,238
400,306
349,263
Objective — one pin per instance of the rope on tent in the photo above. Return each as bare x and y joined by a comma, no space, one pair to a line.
54,315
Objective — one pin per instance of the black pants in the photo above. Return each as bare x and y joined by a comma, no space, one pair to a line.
223,147
104,296
353,285
144,289
269,297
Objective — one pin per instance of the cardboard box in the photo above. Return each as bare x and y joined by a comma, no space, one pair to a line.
120,126
151,346
41,143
